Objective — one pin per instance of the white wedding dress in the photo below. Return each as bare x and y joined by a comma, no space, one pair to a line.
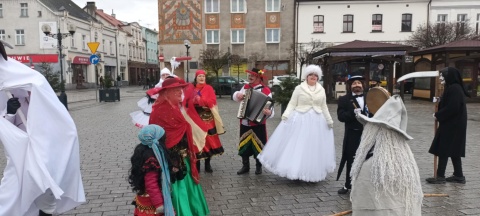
302,147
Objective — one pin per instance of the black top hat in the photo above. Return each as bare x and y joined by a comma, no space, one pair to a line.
358,75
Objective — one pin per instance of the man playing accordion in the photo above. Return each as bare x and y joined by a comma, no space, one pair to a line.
252,135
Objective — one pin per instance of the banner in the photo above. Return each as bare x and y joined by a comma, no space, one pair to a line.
47,42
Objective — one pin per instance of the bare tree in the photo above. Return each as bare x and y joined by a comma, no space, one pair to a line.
430,35
213,60
303,52
237,60
254,58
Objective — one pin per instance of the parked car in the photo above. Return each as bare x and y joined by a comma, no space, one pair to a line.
241,81
274,84
226,85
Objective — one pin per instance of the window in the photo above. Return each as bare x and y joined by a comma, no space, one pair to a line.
347,23
19,37
73,41
84,42
406,22
461,20
1,10
103,46
377,23
111,47
238,6
477,31
272,36
212,6
442,20
2,34
238,35
273,5
318,23
23,9
213,36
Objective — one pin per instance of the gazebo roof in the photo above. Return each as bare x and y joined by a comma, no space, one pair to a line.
462,45
365,48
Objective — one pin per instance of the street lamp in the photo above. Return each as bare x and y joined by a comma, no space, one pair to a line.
59,36
187,45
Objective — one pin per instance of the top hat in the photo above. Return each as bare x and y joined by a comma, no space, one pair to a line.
356,76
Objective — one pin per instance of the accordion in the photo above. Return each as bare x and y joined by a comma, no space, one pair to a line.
253,104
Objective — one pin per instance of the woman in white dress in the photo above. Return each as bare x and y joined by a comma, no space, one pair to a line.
302,146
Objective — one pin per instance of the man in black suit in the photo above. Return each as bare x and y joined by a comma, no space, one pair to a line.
348,105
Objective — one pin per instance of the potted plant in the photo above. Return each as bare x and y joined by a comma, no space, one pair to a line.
283,97
109,94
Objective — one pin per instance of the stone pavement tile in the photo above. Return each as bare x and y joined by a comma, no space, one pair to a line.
280,212
303,210
471,211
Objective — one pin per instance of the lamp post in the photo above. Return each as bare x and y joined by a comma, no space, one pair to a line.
302,60
59,36
187,45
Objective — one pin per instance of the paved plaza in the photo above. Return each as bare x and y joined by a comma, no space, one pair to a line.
107,139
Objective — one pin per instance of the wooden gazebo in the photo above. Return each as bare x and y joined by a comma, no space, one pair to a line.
464,55
385,60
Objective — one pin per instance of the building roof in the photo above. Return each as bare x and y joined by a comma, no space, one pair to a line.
462,45
363,48
110,19
68,5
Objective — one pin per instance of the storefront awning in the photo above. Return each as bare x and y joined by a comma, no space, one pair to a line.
36,58
81,60
380,53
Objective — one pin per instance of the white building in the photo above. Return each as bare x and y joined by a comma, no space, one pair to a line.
456,11
336,22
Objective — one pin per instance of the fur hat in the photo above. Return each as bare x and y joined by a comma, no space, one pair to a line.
392,114
315,69
165,71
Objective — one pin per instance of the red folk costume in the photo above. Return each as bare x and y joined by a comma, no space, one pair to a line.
145,205
203,111
175,125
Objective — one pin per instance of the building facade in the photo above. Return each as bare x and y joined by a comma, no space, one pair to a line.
461,11
136,54
260,31
150,38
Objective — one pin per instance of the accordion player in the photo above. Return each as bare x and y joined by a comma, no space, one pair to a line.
253,104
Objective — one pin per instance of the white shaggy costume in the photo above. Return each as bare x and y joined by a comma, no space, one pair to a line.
387,183
302,146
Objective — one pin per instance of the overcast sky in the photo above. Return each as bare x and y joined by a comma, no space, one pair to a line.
144,12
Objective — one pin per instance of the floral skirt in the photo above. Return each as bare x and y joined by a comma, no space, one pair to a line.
144,206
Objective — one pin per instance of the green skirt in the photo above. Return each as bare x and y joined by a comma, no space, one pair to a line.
187,197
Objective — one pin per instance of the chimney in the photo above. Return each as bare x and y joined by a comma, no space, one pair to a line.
91,8
113,15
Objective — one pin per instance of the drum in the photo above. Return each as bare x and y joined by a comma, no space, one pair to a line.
376,97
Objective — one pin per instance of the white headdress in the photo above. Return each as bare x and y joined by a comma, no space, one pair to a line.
315,69
174,63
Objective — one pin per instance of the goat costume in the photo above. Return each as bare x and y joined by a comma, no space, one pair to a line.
385,176
43,157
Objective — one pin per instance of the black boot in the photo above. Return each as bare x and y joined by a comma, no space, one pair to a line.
246,166
208,167
198,166
258,167
41,213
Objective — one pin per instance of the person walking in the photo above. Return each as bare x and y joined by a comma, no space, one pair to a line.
202,109
302,146
450,138
253,136
348,105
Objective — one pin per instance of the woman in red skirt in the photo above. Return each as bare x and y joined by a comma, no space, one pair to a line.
201,104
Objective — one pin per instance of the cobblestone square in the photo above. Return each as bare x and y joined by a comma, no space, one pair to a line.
107,138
